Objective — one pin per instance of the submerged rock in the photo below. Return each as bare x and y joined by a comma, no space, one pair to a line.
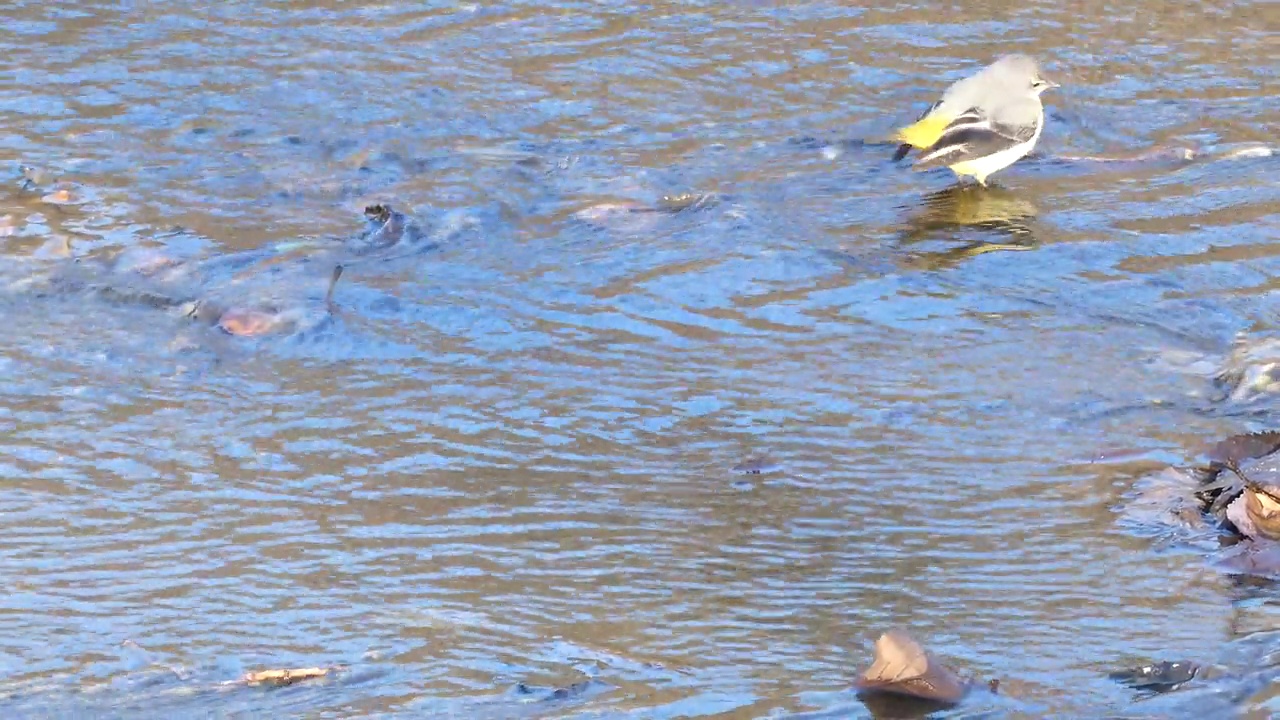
1241,485
1232,501
906,681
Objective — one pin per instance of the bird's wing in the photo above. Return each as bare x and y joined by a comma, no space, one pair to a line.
970,136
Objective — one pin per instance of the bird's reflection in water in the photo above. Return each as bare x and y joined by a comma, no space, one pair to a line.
984,219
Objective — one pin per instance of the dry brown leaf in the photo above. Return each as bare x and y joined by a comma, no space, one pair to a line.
61,196
903,667
248,323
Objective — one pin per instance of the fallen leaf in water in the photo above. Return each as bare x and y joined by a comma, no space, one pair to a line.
903,667
64,194
284,677
248,323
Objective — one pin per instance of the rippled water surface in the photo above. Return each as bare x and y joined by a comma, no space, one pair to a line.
515,459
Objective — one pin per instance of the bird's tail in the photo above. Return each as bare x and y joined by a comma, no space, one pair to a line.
922,133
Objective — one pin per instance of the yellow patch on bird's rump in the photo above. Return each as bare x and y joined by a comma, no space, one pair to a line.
924,132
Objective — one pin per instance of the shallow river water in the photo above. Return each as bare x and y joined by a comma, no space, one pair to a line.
516,462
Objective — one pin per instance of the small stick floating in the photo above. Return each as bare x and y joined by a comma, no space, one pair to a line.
333,282
281,678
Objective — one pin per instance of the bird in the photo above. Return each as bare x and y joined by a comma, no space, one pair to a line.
983,123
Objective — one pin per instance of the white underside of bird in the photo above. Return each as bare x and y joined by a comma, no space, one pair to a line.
964,137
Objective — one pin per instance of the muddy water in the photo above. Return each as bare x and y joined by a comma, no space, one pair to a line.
508,465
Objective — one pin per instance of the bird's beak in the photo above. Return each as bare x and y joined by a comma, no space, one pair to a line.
1049,84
